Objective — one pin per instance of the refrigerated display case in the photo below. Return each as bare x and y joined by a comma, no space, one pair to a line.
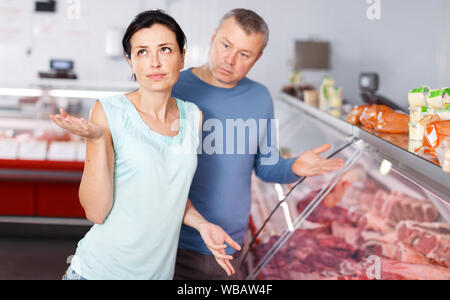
41,164
385,215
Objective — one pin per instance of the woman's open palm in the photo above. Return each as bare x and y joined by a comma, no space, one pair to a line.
77,126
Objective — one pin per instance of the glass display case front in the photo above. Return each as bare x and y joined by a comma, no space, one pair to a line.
367,221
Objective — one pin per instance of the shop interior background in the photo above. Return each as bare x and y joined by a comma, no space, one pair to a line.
407,46
407,43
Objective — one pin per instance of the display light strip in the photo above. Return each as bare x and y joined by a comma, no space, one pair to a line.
21,92
82,94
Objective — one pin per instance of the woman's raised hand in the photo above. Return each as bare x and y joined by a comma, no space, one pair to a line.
77,126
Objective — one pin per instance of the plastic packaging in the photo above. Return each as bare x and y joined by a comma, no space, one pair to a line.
436,131
416,129
418,113
447,99
418,97
330,97
311,97
390,121
443,114
355,114
443,154
369,115
324,97
443,128
438,99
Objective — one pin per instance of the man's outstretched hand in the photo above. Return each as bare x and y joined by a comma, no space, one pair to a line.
311,164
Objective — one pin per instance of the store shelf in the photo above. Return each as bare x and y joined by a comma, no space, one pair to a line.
424,172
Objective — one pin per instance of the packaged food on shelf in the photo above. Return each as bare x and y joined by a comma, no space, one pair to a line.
330,97
443,153
392,122
443,114
355,114
438,99
379,117
306,93
436,131
311,97
416,131
418,113
324,96
443,128
419,121
447,99
369,116
418,97
413,145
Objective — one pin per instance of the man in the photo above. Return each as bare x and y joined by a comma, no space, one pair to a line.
220,190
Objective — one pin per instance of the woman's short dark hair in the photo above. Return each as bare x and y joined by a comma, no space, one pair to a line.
147,19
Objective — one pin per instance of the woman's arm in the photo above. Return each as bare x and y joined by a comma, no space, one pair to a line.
97,185
213,236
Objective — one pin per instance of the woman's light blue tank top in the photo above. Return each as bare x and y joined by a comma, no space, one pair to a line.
152,176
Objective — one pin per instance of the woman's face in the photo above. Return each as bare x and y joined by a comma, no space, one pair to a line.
155,58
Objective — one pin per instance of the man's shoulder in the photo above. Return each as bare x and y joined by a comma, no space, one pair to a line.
257,86
185,76
184,86
260,93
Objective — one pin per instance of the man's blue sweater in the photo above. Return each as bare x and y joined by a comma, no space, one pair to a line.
220,190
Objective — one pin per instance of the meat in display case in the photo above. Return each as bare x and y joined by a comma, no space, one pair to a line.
369,220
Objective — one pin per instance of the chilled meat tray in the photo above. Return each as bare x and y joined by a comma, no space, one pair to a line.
370,220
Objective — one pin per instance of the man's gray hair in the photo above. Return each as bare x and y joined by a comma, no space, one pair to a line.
249,21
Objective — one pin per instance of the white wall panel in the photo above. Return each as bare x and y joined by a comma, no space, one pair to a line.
408,46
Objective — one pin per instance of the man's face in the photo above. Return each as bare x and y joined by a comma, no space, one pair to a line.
233,52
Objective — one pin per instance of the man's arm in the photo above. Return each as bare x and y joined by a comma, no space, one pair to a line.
271,167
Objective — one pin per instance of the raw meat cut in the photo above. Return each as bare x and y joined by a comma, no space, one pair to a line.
311,254
396,270
326,215
430,239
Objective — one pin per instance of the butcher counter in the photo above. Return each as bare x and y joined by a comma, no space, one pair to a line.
385,215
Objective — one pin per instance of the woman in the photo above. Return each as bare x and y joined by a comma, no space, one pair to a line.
140,160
